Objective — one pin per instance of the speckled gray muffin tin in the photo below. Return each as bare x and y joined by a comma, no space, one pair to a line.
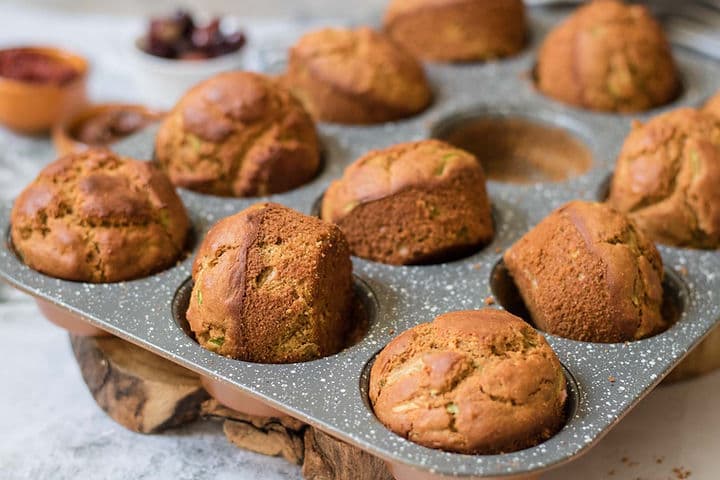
330,393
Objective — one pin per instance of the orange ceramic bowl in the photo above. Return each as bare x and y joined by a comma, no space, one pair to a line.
63,134
35,107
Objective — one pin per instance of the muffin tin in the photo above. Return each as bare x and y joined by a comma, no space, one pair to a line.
605,380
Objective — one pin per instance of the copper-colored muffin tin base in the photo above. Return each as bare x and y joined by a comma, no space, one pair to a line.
234,398
403,472
67,320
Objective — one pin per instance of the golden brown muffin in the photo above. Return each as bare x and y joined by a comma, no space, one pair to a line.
272,285
608,56
457,30
667,177
713,105
238,134
587,273
411,203
476,382
98,217
356,76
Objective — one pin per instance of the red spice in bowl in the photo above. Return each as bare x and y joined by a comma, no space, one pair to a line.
32,66
40,87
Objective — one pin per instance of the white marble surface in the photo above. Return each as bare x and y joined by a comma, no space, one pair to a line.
51,428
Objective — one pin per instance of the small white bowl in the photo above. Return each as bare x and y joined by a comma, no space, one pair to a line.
162,81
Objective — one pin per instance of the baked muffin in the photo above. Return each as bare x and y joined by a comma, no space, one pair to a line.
412,203
97,217
356,76
667,175
475,382
713,105
608,56
272,285
457,30
587,273
238,134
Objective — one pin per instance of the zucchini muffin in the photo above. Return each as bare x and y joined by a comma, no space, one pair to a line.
356,76
608,56
411,203
476,382
97,217
587,273
457,30
272,285
667,175
238,134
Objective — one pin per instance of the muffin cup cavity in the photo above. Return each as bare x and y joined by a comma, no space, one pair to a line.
316,207
517,149
364,310
506,293
603,189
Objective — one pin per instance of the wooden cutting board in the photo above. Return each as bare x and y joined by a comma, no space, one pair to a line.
148,394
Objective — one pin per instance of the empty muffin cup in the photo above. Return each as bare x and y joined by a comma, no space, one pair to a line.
513,149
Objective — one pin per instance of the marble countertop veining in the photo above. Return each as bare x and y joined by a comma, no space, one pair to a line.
52,428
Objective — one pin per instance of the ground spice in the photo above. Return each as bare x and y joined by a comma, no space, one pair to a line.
35,67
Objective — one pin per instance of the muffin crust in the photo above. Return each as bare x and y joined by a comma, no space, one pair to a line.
414,202
356,76
476,382
608,56
713,104
587,273
272,285
238,134
457,30
667,176
98,217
